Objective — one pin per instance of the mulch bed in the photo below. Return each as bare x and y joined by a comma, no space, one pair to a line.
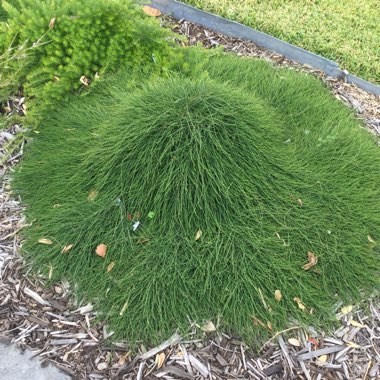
63,330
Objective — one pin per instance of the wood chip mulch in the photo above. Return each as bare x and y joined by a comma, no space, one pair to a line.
63,330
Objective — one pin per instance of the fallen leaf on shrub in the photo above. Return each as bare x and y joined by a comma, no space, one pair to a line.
85,81
92,195
52,23
278,295
67,248
135,226
159,361
208,327
269,326
101,250
257,322
137,215
294,342
322,358
198,235
129,217
110,266
300,202
151,11
45,241
352,345
346,309
299,303
142,241
56,78
370,239
313,260
356,324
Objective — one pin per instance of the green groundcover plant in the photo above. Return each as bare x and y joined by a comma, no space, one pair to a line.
246,194
82,41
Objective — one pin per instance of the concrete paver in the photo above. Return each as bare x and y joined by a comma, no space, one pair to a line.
18,365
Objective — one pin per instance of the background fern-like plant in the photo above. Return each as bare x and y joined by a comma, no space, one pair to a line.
83,39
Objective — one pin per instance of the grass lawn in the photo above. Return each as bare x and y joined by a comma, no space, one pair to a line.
347,32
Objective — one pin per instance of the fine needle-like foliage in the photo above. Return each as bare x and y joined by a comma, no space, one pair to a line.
248,195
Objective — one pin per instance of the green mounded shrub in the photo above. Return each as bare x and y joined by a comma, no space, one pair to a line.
234,176
83,39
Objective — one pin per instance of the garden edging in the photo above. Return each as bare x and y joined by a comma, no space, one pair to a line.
229,28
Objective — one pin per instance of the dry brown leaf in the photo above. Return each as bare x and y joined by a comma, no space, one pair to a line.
257,322
313,341
101,250
356,324
299,303
92,195
160,358
198,235
151,11
67,248
85,81
269,326
52,23
322,358
313,260
346,309
45,241
278,295
208,327
294,342
110,266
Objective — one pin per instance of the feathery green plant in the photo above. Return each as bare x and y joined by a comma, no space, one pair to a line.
209,193
84,39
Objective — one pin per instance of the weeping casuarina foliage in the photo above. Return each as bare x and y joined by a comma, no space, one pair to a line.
246,194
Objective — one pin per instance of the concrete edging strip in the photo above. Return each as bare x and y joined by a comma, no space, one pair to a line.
179,11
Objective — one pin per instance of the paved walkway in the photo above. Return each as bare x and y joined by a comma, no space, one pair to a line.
16,365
